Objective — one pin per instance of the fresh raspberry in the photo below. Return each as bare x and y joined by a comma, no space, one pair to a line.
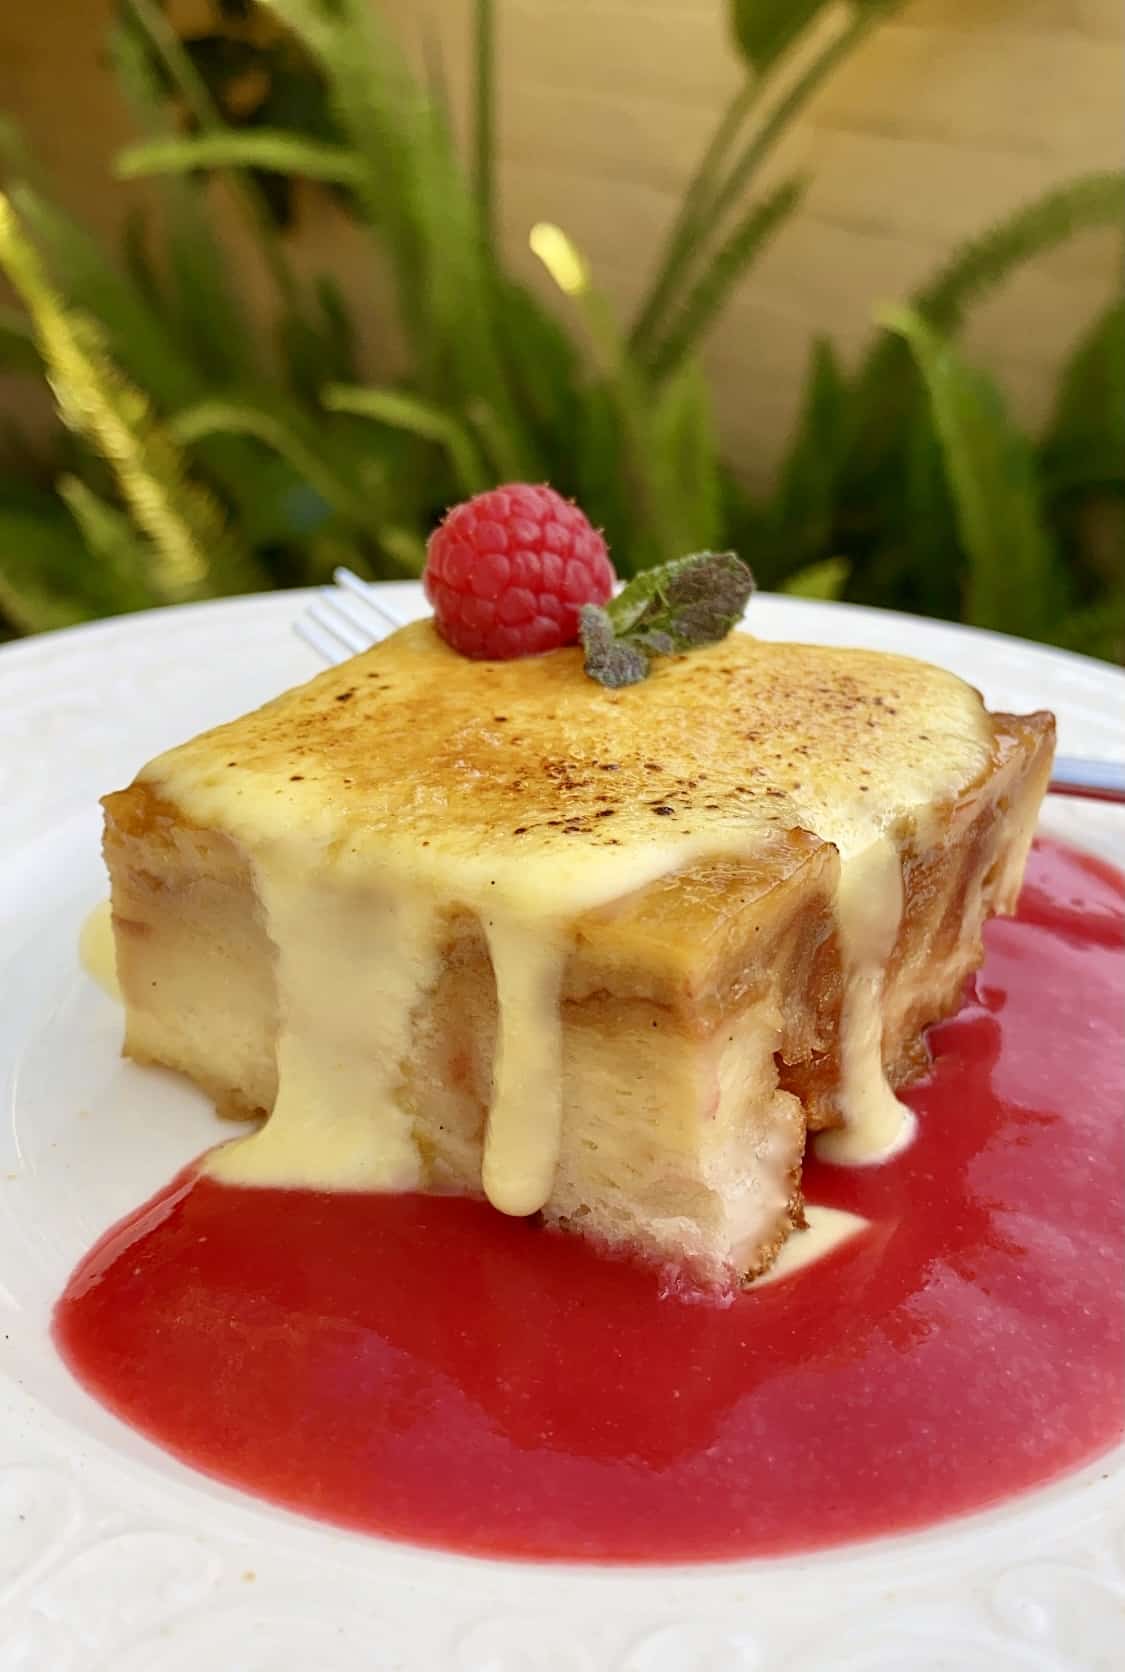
507,571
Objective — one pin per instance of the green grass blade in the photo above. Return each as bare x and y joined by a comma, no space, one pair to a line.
883,387
705,300
339,348
436,77
261,148
417,417
143,341
155,28
193,552
1013,583
112,542
136,256
379,112
1085,443
209,318
385,120
21,453
19,161
803,509
688,228
623,384
504,454
417,202
158,31
775,124
710,199
601,480
288,432
47,577
825,579
484,115
545,370
570,270
683,449
1097,629
905,546
405,547
763,29
1034,228
921,517
138,337
18,352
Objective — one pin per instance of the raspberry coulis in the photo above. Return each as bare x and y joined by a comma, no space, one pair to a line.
426,1369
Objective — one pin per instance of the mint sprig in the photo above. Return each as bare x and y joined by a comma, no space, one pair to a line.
688,602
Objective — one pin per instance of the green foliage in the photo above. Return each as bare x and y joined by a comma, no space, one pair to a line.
18,352
800,518
264,148
1085,444
421,207
761,111
1033,229
153,34
417,417
684,448
763,29
190,551
1012,578
825,580
256,77
48,574
705,299
135,333
295,439
205,453
117,556
198,299
484,127
688,601
886,383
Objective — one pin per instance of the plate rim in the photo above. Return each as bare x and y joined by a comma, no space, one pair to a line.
1091,1506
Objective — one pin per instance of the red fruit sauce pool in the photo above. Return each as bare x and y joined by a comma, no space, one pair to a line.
427,1369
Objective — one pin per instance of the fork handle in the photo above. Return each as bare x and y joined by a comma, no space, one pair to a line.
1092,780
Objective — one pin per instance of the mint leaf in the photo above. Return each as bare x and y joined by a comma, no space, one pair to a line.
690,601
609,660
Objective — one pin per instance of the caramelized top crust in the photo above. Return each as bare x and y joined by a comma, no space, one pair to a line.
528,779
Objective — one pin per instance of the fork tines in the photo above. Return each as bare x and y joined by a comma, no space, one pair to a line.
345,619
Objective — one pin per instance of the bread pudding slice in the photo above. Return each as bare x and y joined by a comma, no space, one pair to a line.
603,955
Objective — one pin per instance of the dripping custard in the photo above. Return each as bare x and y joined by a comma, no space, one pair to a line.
607,957
561,1024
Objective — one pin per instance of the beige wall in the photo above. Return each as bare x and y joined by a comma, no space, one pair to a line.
944,119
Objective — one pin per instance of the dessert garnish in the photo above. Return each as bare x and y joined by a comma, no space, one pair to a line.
520,570
508,571
684,603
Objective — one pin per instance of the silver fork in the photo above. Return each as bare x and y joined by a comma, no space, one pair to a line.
345,619
349,617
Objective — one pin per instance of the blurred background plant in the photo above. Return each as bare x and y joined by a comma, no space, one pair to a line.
199,454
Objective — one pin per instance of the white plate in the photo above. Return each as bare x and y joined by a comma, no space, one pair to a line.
113,1556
